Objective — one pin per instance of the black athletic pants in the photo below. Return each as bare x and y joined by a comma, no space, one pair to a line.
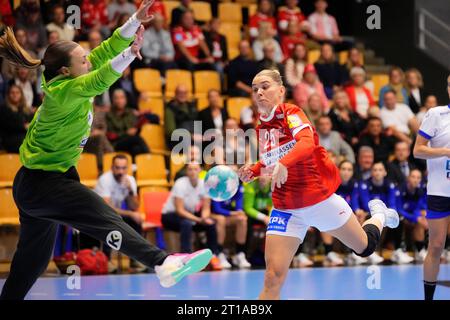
46,199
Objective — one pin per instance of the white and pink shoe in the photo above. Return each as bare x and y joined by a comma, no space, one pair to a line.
176,266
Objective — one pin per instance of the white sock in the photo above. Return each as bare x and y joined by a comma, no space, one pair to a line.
380,217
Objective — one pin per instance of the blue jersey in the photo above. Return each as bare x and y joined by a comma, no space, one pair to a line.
369,191
349,191
234,204
410,204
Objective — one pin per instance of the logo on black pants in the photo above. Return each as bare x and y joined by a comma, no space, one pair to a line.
114,239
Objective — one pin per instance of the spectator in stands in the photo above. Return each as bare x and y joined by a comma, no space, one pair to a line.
430,102
121,124
412,206
314,109
59,25
7,13
265,37
249,117
396,80
400,166
231,213
23,79
189,43
8,69
178,12
295,65
414,87
309,85
360,97
365,162
291,38
119,190
214,116
398,118
52,37
290,13
188,209
180,113
158,51
95,17
323,27
330,72
234,148
264,13
382,144
332,140
119,7
95,38
193,155
241,71
354,59
29,19
158,7
217,44
344,119
269,59
15,116
126,83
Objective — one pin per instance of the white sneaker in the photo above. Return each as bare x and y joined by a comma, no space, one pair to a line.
420,255
401,257
224,261
377,206
355,260
302,260
240,261
334,259
375,258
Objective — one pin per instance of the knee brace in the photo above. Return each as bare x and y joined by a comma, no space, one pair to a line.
373,237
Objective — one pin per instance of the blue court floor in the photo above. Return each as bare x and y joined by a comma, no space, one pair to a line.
353,283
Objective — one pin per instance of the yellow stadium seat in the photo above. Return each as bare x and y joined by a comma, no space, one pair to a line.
202,103
155,105
233,52
313,56
9,214
343,56
252,8
202,10
379,81
235,105
149,81
107,161
230,12
177,162
9,165
169,6
84,45
232,32
174,77
153,135
87,169
205,81
151,170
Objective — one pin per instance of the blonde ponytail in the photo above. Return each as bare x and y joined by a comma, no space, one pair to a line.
11,50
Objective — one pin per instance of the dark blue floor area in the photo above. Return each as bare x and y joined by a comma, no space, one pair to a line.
354,283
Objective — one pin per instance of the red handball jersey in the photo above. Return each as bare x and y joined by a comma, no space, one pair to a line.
287,135
189,38
285,15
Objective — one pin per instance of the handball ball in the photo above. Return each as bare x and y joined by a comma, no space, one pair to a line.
221,183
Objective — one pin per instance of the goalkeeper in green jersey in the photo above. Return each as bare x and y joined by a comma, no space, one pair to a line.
47,189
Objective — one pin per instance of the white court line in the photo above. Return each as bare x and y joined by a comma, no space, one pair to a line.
136,295
38,294
71,294
232,297
200,296
167,295
104,294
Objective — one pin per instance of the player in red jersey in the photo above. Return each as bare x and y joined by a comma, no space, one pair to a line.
304,180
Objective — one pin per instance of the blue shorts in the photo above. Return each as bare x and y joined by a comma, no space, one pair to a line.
438,207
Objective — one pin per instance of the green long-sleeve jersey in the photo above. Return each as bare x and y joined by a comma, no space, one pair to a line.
61,126
256,199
